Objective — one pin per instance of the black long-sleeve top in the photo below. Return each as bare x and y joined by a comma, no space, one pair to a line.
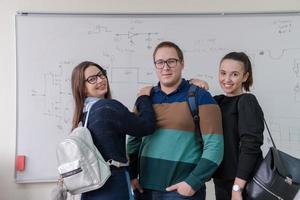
243,136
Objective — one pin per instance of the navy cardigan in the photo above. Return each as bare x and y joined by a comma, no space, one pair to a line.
110,121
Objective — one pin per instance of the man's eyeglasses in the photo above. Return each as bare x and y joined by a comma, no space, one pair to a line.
171,62
94,78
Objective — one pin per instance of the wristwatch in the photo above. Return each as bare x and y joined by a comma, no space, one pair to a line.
237,188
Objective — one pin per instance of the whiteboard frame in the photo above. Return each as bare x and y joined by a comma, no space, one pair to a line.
117,14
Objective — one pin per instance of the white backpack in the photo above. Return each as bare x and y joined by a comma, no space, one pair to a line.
81,166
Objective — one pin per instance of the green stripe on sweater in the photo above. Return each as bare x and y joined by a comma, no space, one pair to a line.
158,174
213,147
172,145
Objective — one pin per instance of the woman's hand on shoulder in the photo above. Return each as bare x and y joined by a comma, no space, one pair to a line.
200,83
145,91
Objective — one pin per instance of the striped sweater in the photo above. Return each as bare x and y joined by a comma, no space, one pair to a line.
173,153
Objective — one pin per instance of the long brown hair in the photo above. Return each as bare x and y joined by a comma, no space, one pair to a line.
79,90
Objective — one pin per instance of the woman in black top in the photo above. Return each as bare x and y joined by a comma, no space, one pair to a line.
242,120
242,127
109,122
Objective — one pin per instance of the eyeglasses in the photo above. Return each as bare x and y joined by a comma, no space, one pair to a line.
171,63
94,78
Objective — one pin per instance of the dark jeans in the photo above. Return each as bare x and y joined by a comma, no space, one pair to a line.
116,188
163,195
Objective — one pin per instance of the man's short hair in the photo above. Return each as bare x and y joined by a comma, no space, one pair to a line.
170,45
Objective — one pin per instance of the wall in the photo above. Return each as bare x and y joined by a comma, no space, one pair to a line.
8,189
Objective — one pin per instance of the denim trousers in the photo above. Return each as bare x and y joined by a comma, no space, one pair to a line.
117,187
174,195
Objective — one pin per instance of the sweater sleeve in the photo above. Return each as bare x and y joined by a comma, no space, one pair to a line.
133,148
213,143
251,127
143,122
145,112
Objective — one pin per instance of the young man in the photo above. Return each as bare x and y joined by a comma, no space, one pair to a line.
172,163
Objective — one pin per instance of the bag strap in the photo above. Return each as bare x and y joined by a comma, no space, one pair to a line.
111,161
88,108
273,143
117,163
192,101
277,160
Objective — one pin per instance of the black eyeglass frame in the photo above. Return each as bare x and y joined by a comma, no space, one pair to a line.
94,78
164,62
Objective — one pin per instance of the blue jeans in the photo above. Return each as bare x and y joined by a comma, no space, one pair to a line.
163,195
117,187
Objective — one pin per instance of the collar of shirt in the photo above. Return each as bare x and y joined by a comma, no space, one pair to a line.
184,83
88,102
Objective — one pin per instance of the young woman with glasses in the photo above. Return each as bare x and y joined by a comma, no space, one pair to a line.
109,122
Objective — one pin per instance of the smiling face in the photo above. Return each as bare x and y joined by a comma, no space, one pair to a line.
169,76
231,77
98,86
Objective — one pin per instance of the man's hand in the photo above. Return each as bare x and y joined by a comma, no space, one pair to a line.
182,188
136,185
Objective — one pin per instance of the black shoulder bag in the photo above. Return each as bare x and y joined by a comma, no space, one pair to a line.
278,176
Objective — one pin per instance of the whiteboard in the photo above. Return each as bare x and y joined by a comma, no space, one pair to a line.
50,45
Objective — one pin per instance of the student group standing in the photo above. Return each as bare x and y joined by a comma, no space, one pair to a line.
167,161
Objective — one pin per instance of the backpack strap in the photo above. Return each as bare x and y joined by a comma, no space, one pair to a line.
111,161
192,101
117,163
88,108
